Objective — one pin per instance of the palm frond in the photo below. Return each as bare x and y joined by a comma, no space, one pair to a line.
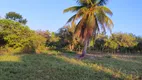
78,15
102,2
72,9
104,20
98,2
82,2
96,29
105,9
108,23
75,17
91,24
80,27
72,18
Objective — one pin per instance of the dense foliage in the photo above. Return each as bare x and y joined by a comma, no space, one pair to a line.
115,43
118,42
13,35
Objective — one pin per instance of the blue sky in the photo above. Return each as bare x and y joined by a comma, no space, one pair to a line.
48,14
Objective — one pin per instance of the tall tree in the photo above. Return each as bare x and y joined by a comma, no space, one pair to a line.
66,34
16,17
91,17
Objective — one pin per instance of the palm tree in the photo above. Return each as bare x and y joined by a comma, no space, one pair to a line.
91,17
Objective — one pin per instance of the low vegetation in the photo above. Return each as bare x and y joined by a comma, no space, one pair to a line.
67,67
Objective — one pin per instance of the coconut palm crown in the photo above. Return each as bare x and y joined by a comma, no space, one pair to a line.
91,17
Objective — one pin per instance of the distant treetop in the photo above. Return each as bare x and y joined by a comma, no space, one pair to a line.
16,17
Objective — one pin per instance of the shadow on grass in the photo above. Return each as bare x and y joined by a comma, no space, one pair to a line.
115,63
45,67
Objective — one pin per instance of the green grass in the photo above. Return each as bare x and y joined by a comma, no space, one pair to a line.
60,67
127,64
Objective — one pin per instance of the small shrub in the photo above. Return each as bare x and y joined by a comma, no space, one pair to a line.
108,56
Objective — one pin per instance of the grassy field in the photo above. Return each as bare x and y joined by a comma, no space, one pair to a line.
68,67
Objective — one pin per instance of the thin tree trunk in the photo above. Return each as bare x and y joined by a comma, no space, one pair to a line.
70,47
84,51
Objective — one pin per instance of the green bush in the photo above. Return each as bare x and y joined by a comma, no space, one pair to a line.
20,38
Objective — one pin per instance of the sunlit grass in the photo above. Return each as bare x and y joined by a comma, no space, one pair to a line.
66,67
10,58
127,59
95,67
52,52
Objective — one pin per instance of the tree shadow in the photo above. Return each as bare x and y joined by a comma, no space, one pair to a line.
126,66
50,67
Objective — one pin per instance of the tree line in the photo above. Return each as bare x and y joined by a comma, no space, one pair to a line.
115,43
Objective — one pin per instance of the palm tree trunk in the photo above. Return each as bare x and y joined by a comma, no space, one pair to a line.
84,51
